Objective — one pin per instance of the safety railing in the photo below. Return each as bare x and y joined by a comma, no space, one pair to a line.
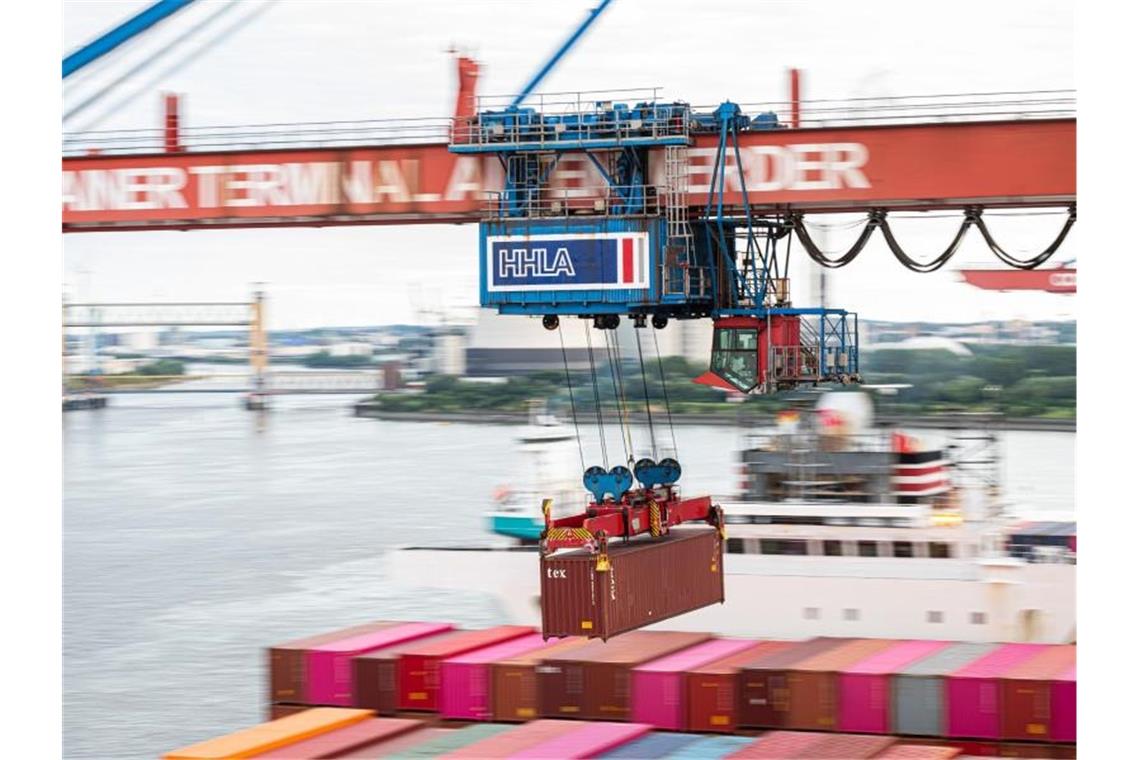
611,200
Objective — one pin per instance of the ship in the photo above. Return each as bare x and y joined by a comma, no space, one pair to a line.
840,527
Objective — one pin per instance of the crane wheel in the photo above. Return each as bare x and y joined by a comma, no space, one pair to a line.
550,321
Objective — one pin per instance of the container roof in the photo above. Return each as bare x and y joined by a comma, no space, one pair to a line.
735,662
897,656
695,656
948,660
999,661
1045,666
843,656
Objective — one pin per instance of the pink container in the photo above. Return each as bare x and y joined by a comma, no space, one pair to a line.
865,687
465,681
973,693
590,740
658,693
328,667
1063,707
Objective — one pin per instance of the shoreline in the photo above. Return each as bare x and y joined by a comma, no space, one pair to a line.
928,422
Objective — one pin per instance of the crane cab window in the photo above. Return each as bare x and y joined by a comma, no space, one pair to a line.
734,355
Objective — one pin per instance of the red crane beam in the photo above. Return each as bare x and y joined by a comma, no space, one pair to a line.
850,168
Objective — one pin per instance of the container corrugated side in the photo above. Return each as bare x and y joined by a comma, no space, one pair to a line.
593,681
287,661
973,696
514,683
418,665
813,694
328,667
918,701
1026,694
659,694
1063,707
865,687
591,740
366,733
271,735
648,580
515,739
713,694
466,687
658,744
763,684
374,680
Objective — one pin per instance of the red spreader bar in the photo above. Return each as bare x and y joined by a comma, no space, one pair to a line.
645,510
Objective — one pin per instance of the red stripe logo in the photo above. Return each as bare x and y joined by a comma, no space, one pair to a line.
627,260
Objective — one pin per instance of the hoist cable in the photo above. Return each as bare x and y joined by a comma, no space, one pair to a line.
1033,261
619,398
597,398
570,390
645,390
938,261
665,394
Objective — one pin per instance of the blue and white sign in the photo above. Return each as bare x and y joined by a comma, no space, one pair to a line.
568,261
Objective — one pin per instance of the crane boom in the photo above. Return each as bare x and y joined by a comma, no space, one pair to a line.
547,67
124,32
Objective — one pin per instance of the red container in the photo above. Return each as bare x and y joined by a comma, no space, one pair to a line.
1063,707
865,687
973,693
648,580
337,743
465,681
287,664
375,684
516,739
763,684
593,681
1026,694
328,672
591,740
713,696
417,669
779,745
660,698
813,693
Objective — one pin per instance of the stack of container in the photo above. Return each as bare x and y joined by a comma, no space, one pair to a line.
973,697
865,687
813,699
918,697
763,683
1027,694
713,693
466,681
659,694
514,681
288,661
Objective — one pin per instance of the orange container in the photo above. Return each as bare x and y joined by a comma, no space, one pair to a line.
276,733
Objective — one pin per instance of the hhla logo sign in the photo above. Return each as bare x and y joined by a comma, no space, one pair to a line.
535,262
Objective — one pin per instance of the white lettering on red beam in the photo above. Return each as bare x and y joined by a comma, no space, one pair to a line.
808,166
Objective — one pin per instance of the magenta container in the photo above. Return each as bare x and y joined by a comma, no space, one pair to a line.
973,695
328,667
465,681
590,740
658,689
865,687
1063,707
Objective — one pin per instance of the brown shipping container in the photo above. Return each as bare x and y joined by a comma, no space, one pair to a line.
763,684
649,580
287,661
374,675
813,692
712,688
280,711
514,685
1026,693
593,681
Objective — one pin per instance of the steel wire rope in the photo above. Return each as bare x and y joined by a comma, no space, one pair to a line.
624,428
570,390
645,390
665,394
597,398
1034,261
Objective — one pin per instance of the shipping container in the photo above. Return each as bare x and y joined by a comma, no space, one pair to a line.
466,687
593,681
280,711
358,736
918,691
848,747
328,671
591,740
762,685
445,740
918,752
1026,750
515,739
653,745
973,696
374,679
1026,694
659,694
711,748
865,687
401,746
275,733
514,683
418,665
813,690
778,745
1063,707
287,661
648,580
711,689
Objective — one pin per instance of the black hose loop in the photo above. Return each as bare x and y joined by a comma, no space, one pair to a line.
1034,261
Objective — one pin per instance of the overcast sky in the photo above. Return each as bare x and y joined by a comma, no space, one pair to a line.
303,60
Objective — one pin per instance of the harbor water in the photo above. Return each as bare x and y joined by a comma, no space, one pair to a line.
196,533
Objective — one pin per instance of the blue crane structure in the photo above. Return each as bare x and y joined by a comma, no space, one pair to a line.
124,32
